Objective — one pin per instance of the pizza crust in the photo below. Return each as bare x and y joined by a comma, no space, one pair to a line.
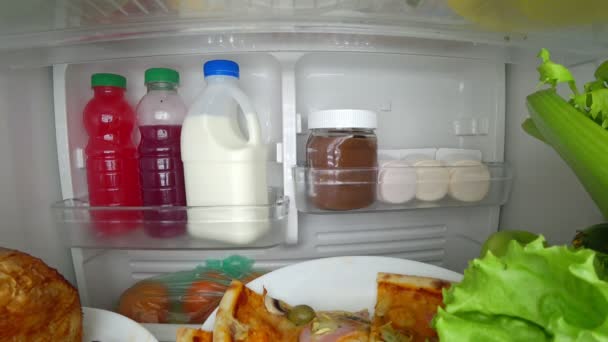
242,316
193,335
225,320
427,283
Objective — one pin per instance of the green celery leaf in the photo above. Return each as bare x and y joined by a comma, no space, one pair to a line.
544,55
601,73
581,101
599,104
552,73
595,85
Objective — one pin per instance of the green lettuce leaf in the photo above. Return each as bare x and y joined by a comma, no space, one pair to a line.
533,293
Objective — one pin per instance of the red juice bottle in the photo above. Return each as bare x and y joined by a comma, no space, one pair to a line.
111,155
160,114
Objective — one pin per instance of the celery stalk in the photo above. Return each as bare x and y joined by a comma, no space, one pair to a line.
581,142
530,128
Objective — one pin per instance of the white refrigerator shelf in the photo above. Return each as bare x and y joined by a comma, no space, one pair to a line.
172,227
401,186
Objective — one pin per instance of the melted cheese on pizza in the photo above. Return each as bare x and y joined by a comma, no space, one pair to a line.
258,324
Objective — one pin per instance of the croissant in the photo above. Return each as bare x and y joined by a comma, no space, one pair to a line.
36,302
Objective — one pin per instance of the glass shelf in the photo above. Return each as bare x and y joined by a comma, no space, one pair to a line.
45,25
401,187
213,227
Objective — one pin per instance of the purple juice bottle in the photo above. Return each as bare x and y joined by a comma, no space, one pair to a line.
160,114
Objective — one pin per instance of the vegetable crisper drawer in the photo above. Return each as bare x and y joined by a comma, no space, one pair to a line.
172,227
401,187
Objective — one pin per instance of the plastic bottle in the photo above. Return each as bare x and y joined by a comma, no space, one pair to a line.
160,114
223,166
111,156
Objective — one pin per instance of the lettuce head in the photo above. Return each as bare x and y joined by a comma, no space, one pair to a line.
532,293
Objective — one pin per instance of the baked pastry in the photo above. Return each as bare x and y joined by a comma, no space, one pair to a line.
36,303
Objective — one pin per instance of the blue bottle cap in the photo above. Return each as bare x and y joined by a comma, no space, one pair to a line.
221,67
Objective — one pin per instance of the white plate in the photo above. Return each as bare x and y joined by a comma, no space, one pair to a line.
341,283
107,326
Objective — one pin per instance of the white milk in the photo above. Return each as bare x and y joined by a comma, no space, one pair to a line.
222,167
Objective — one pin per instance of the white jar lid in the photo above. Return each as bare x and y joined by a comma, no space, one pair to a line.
342,118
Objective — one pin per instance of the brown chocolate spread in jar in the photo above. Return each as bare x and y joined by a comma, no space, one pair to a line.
341,156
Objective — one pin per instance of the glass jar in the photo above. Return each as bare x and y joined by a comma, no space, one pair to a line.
342,158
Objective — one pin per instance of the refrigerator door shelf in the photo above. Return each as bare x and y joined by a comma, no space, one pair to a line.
211,227
399,185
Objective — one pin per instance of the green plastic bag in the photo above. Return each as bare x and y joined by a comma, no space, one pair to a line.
186,297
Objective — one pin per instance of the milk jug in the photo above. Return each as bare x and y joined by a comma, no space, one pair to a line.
224,167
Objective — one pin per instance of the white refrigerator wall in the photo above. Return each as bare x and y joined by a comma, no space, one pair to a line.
29,174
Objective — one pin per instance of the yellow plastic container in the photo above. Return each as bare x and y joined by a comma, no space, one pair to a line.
526,15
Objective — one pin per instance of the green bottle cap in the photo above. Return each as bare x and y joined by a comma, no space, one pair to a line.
111,80
161,75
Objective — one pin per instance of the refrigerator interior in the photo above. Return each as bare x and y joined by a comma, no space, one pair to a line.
424,70
285,87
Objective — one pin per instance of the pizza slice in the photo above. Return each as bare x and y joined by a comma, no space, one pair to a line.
244,315
193,335
405,307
